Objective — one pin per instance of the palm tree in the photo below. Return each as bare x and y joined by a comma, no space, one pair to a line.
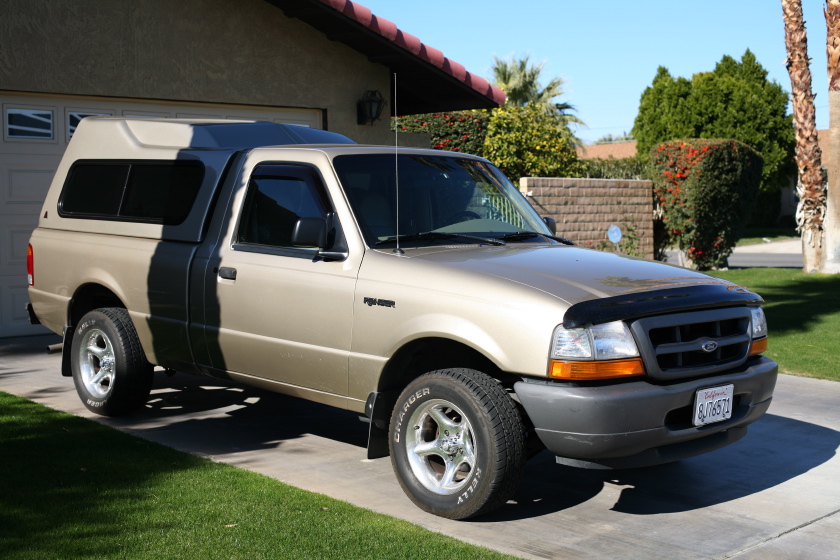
831,253
520,80
811,182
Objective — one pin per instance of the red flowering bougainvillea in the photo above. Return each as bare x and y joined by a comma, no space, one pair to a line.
704,191
458,131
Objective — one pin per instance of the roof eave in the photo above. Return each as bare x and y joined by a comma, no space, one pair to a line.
427,81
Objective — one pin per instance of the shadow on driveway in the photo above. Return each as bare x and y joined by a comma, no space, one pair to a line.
776,449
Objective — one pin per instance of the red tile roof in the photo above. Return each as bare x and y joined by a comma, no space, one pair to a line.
412,44
617,150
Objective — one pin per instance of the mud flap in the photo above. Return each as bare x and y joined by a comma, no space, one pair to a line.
378,409
33,319
66,368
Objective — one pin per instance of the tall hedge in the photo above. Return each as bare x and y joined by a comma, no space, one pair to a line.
457,131
613,168
736,100
704,191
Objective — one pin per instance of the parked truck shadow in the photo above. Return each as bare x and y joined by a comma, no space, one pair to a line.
776,450
228,417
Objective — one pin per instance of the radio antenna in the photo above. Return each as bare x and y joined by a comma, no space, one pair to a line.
397,250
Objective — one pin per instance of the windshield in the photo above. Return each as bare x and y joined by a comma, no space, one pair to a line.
436,194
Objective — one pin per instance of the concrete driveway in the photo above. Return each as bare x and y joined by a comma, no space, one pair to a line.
773,495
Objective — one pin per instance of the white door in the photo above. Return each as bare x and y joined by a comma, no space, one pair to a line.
36,129
29,155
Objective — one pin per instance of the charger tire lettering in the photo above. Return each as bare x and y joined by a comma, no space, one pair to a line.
408,402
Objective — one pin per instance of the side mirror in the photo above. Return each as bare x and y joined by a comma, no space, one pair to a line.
310,232
552,225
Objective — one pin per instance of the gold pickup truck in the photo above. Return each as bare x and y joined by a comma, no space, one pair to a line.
415,287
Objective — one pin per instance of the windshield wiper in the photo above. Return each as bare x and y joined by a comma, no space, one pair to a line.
440,235
517,235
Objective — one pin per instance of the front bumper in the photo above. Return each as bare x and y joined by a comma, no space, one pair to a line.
638,423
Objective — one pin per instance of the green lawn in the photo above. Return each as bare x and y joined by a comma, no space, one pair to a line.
753,235
73,489
803,316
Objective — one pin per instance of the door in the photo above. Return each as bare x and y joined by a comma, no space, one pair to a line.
273,310
30,150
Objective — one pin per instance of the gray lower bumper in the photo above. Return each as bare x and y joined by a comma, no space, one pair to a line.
638,423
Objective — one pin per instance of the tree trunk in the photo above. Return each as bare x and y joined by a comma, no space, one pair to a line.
811,184
831,250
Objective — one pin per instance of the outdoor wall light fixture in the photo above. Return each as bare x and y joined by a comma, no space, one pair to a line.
369,107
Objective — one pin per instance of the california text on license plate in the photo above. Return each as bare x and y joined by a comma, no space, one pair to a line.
713,404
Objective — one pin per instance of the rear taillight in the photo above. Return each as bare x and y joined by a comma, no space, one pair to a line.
30,266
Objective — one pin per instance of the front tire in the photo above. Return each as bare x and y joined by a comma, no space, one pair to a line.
457,443
110,371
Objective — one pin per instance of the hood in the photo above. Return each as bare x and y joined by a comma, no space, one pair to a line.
572,274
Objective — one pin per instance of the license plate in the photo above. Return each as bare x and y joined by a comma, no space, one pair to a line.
713,405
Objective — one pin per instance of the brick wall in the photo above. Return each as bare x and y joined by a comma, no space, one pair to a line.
585,208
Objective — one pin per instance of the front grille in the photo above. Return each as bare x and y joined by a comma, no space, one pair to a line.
693,344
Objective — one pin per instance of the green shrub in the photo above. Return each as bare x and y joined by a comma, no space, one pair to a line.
704,191
458,131
613,168
736,100
525,142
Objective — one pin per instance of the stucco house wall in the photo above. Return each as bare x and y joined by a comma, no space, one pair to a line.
243,52
233,59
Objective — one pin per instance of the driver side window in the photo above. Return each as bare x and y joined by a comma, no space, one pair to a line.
279,195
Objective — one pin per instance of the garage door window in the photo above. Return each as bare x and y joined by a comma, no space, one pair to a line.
29,124
137,191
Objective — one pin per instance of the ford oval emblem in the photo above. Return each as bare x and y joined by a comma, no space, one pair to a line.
709,346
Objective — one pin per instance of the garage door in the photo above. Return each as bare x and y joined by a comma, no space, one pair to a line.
36,129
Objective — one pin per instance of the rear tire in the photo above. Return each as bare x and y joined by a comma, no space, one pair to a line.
457,443
110,370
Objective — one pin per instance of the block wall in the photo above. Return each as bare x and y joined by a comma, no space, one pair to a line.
585,208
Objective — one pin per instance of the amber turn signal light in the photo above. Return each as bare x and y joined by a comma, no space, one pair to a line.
591,371
758,346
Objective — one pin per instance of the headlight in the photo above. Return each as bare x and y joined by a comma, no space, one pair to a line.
759,322
604,351
571,343
758,326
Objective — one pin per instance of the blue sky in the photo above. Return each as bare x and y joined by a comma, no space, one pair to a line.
607,51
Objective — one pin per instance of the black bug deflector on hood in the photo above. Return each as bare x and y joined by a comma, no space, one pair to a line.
656,302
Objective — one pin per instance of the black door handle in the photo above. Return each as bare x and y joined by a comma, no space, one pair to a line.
227,273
